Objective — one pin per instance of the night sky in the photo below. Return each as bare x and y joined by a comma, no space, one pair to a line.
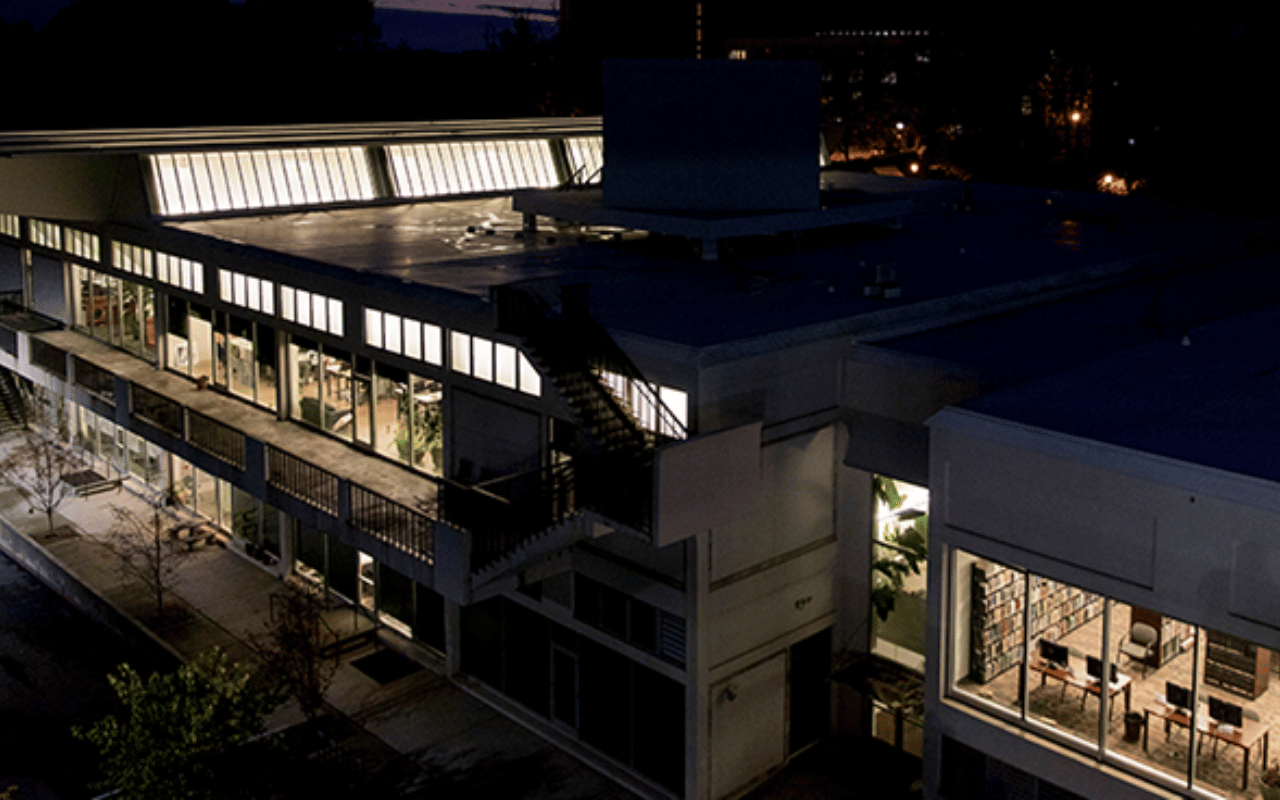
449,27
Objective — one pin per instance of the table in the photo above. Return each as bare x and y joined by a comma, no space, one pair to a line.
1246,737
1086,683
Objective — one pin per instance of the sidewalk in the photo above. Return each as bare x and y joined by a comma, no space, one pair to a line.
442,741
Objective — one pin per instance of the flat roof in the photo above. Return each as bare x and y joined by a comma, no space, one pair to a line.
1211,399
657,288
152,140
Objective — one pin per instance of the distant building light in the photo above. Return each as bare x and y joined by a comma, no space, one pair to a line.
1132,142
738,55
1075,116
915,167
1107,178
900,126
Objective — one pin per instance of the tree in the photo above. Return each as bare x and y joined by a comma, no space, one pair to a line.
293,646
149,546
173,725
38,463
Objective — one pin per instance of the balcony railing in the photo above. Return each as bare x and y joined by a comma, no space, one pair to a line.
93,378
157,409
391,522
218,440
308,483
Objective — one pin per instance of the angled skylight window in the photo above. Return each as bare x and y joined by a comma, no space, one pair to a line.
444,168
586,157
203,183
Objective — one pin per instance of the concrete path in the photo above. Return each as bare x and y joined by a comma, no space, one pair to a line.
447,742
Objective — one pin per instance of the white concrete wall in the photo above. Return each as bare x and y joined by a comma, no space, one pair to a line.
1192,542
769,582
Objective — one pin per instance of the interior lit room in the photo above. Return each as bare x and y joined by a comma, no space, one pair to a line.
1038,649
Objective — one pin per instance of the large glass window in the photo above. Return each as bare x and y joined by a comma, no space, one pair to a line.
241,364
899,570
200,331
407,419
304,381
339,415
1065,650
1170,702
987,634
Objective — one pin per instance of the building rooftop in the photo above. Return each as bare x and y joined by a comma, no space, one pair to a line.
1209,399
763,286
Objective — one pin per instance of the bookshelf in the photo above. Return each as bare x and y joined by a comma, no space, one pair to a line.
997,597
996,617
1236,664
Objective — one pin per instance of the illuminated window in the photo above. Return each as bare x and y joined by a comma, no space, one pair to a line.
404,335
530,380
586,157
200,183
504,358
460,352
638,399
82,243
443,168
246,291
46,234
311,310
9,225
740,55
180,272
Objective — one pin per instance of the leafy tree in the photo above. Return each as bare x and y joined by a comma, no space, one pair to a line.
173,726
293,646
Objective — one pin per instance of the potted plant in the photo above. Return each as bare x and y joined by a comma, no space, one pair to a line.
1270,782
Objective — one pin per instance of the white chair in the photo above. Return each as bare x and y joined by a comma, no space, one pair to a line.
1141,644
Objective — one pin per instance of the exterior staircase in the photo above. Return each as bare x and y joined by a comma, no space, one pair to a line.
12,408
607,485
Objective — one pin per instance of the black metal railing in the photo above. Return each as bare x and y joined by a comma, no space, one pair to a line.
308,483
49,358
95,379
391,522
156,409
218,440
504,513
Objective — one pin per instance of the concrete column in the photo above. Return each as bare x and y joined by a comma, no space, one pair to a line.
285,525
853,522
452,638
697,716
282,376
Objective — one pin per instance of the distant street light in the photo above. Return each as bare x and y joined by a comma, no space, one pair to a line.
1075,116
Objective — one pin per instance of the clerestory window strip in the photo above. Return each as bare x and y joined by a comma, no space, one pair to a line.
207,182
435,169
586,157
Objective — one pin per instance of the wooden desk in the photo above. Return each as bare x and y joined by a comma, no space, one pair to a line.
1246,737
1087,684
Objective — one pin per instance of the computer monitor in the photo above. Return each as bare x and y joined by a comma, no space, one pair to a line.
1054,653
1226,713
1094,665
1177,696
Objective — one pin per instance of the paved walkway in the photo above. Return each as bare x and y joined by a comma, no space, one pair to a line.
445,742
